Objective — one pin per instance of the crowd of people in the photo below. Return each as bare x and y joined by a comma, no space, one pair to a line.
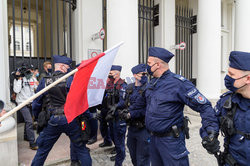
152,110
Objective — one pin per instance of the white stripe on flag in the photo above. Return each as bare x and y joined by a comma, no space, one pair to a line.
100,74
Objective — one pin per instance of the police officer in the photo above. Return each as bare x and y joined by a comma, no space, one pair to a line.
233,112
114,101
166,95
57,123
138,138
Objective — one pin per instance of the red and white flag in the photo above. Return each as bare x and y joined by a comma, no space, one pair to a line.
80,96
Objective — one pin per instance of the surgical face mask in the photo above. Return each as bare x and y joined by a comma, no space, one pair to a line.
149,69
37,74
229,83
144,79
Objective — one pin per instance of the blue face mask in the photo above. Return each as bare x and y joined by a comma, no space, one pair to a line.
229,83
49,70
144,79
37,74
149,69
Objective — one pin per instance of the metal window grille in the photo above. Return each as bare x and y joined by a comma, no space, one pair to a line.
184,33
145,28
40,27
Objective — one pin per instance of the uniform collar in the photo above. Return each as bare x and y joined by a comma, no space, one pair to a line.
165,74
242,102
155,80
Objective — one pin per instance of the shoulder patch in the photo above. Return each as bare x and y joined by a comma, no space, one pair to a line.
192,92
226,93
179,77
200,98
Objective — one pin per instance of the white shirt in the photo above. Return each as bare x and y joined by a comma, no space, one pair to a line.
24,89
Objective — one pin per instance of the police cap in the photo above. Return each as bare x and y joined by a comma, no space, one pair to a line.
116,67
160,53
138,68
62,59
240,60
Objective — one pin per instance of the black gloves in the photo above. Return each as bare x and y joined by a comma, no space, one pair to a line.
211,143
111,112
98,115
124,114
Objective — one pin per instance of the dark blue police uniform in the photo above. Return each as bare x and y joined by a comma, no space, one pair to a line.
57,123
94,125
138,138
165,98
239,140
114,96
104,128
118,128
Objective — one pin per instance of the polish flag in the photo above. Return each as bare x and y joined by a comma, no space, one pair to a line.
80,96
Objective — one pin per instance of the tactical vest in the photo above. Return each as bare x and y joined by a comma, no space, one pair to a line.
228,130
57,94
113,92
227,122
138,122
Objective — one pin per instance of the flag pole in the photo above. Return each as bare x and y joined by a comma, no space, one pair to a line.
29,100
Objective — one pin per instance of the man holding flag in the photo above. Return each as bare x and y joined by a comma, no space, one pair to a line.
57,123
80,97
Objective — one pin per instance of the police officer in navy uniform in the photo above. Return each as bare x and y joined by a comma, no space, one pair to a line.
57,123
138,138
233,112
114,101
166,95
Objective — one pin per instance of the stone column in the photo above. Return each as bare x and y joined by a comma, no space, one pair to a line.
4,53
168,30
242,25
209,48
8,139
122,25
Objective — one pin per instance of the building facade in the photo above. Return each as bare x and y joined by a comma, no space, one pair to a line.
208,29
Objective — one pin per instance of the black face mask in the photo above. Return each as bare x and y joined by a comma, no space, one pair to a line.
150,72
49,70
111,77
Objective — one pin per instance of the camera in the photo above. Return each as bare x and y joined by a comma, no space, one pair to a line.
23,70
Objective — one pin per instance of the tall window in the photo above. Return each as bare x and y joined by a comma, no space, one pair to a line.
17,45
27,46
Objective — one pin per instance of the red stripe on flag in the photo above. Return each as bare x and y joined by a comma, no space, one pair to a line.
77,98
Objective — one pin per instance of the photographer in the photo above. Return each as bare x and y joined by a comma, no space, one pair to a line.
24,87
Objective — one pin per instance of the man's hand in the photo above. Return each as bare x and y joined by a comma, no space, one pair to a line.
124,114
211,143
98,115
111,112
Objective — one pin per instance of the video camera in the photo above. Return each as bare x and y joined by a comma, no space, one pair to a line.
24,70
